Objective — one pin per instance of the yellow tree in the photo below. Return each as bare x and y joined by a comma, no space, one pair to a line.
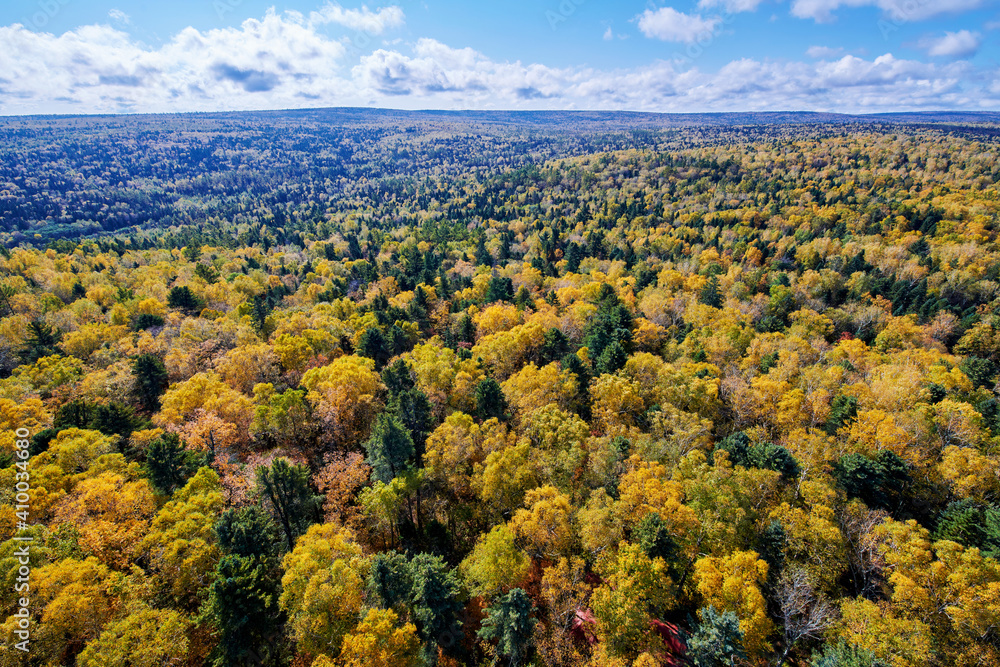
970,473
204,391
506,477
874,627
564,590
952,589
646,487
443,376
559,439
617,402
323,588
111,509
72,600
379,641
507,351
635,589
148,638
495,564
533,387
347,395
732,583
544,527
181,542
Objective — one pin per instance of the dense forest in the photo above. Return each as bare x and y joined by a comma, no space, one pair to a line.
411,390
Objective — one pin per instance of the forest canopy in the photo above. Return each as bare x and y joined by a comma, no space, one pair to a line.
497,395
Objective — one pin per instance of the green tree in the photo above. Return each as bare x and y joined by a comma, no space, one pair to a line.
500,289
845,655
390,580
653,536
374,346
206,272
971,524
150,380
509,623
465,329
397,377
555,347
169,465
116,418
612,359
710,295
243,603
613,322
980,371
877,481
842,410
435,604
41,341
285,491
414,411
145,321
247,531
490,400
183,298
390,447
717,641
74,414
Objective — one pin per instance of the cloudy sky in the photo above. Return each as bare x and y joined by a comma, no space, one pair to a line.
96,56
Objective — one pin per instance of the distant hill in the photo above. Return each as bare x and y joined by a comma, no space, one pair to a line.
578,121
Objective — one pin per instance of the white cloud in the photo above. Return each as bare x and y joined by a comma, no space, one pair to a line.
961,44
609,34
670,25
899,11
362,19
101,69
824,52
119,16
284,61
731,6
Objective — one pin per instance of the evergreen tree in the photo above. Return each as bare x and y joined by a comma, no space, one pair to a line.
150,380
490,401
509,623
500,289
971,524
169,465
41,341
710,295
877,481
183,298
243,603
247,531
845,655
397,377
285,490
612,359
435,605
373,345
390,447
717,641
390,580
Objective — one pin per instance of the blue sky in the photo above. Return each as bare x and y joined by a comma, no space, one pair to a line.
71,56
